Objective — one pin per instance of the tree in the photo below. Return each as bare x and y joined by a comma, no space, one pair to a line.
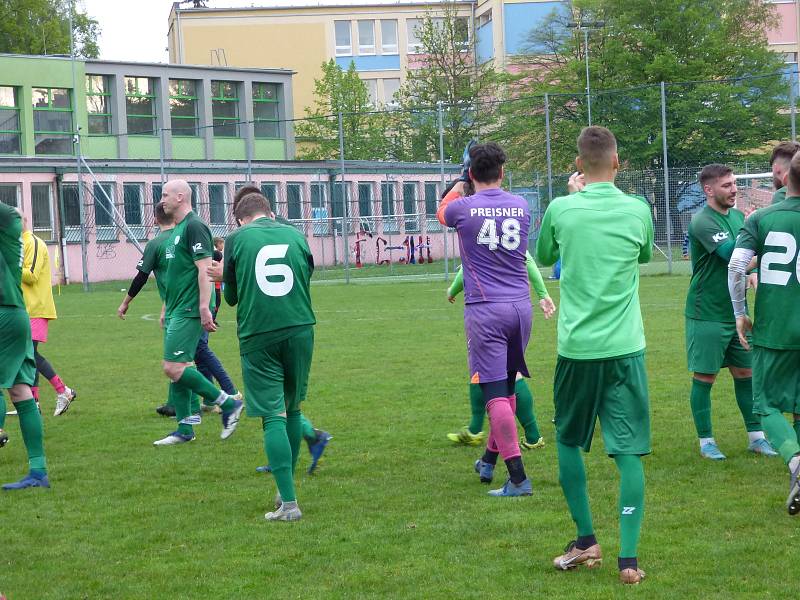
42,27
446,72
341,91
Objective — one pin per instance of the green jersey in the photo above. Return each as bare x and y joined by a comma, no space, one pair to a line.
155,260
267,272
779,195
190,241
773,233
601,235
10,257
712,238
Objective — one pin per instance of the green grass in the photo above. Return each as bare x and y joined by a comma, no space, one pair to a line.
394,511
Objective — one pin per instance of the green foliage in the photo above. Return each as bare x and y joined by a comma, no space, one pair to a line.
340,91
42,27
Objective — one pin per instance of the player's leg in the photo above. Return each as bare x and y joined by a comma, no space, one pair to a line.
211,367
35,386
625,420
297,353
472,434
64,394
526,416
740,365
705,352
575,394
503,437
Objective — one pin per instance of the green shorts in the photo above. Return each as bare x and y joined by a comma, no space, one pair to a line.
711,346
776,380
16,348
276,377
615,390
181,335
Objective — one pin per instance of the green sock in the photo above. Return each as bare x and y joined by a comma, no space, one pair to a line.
796,429
182,402
572,476
478,408
743,388
279,455
2,409
294,429
169,394
631,503
30,422
195,381
194,405
780,434
525,411
700,399
308,429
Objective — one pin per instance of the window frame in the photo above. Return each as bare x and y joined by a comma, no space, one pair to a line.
343,50
366,49
46,233
411,224
390,100
218,228
17,193
226,121
106,93
105,232
413,47
260,100
51,109
16,107
184,96
137,94
391,49
365,185
290,205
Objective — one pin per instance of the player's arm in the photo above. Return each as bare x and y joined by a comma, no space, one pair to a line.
535,277
646,251
741,257
229,274
457,286
456,192
32,261
713,240
546,245
201,246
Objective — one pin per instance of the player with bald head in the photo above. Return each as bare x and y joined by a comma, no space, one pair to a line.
187,294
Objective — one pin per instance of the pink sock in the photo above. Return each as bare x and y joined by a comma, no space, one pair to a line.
512,401
58,384
491,443
504,428
35,391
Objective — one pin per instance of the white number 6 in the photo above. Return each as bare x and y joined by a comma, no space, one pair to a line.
263,271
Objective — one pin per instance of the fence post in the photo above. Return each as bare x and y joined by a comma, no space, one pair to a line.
344,203
441,171
668,216
161,153
793,103
84,249
549,154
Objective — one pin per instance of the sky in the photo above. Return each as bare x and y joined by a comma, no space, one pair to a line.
136,30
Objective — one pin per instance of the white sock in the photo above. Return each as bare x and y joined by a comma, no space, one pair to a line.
221,398
704,441
793,464
755,435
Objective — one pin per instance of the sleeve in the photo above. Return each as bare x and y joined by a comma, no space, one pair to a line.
137,283
199,240
535,277
737,286
147,263
713,239
646,251
546,245
458,284
229,273
32,262
748,234
442,212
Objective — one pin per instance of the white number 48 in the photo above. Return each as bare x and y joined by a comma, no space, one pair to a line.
487,236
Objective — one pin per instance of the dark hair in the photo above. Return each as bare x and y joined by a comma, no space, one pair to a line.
713,172
486,162
794,173
246,190
596,147
249,205
161,216
784,151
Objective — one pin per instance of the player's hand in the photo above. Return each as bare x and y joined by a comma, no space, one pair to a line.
548,307
743,326
451,299
752,281
122,310
207,319
214,272
577,181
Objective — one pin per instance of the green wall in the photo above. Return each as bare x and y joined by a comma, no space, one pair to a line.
144,146
99,146
269,150
188,148
229,149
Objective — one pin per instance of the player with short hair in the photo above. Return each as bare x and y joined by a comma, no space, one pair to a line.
779,162
219,244
711,340
267,276
37,290
772,234
600,370
17,365
492,227
188,304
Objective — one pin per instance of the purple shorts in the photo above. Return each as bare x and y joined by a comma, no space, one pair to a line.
497,335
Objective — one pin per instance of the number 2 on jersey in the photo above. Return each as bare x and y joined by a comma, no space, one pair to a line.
264,270
789,244
487,236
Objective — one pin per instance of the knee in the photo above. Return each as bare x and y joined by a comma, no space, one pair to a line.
20,392
706,377
173,370
740,373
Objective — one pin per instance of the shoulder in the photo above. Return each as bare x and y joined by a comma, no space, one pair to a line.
8,216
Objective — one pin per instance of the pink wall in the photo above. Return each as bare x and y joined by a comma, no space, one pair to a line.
785,28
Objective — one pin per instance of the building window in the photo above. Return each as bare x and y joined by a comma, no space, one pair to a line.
183,107
390,89
270,191
52,121
98,104
104,210
414,33
195,187
365,199
9,121
132,200
462,32
410,206
72,208
366,37
9,194
340,198
294,201
140,105
372,91
216,203
225,108
265,110
387,208
155,193
389,37
431,198
344,45
42,210
319,210
484,19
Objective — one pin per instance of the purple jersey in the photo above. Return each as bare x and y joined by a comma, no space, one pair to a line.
492,228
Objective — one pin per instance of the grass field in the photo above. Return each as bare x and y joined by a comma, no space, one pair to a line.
393,511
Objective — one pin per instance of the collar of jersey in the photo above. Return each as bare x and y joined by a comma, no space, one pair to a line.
599,186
